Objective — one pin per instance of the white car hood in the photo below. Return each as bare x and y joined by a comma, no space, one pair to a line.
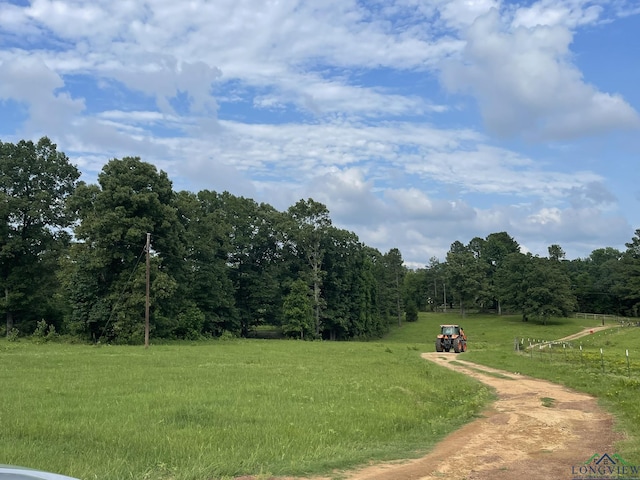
11,472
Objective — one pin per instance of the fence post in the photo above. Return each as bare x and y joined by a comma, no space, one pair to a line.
628,366
581,358
602,360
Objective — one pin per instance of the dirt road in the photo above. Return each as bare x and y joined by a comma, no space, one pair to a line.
534,430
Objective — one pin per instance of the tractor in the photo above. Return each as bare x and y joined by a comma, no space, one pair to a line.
451,336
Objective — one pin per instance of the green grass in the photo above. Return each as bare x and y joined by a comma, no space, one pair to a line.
211,410
548,402
221,409
491,342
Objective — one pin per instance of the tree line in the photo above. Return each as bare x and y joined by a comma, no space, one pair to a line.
72,258
492,274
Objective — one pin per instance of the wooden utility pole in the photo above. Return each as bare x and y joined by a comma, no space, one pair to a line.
147,298
444,296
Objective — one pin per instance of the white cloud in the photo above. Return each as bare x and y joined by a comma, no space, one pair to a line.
491,170
29,81
526,85
569,13
338,100
165,78
416,205
460,14
579,229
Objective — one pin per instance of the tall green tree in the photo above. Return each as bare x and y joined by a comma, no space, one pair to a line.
549,293
254,260
132,198
206,279
349,288
308,226
35,182
628,284
556,253
298,311
496,248
537,287
417,290
595,281
394,276
436,278
465,274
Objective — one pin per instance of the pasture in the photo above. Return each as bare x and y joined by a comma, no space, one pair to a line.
219,409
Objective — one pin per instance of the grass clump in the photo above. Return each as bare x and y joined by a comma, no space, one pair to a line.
548,402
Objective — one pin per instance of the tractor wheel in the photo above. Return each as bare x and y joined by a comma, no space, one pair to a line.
456,345
439,346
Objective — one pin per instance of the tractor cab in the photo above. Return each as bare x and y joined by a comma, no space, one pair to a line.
450,329
451,336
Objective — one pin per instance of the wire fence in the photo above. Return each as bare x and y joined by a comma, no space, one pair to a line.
608,360
608,318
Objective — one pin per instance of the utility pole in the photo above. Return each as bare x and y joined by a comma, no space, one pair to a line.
444,296
147,298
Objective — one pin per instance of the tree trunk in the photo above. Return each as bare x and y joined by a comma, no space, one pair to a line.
316,264
9,312
398,300
316,301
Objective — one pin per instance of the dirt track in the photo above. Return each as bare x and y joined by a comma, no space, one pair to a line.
534,430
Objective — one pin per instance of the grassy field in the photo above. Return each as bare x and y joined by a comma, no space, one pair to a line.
219,409
200,411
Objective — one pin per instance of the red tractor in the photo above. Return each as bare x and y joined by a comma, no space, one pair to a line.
451,336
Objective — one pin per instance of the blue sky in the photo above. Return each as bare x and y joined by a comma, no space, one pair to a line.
417,122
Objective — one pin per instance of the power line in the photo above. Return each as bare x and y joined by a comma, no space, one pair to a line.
118,301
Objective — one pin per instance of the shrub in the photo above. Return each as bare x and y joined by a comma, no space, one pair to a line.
13,335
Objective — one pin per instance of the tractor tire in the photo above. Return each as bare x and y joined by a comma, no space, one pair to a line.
439,346
457,345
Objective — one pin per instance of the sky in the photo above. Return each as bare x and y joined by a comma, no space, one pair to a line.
418,123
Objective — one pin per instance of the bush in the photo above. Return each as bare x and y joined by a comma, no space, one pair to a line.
43,332
411,312
13,335
190,324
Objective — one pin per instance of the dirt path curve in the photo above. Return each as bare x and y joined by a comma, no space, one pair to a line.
586,332
524,434
534,430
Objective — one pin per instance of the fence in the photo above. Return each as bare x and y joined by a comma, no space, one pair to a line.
603,317
608,360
